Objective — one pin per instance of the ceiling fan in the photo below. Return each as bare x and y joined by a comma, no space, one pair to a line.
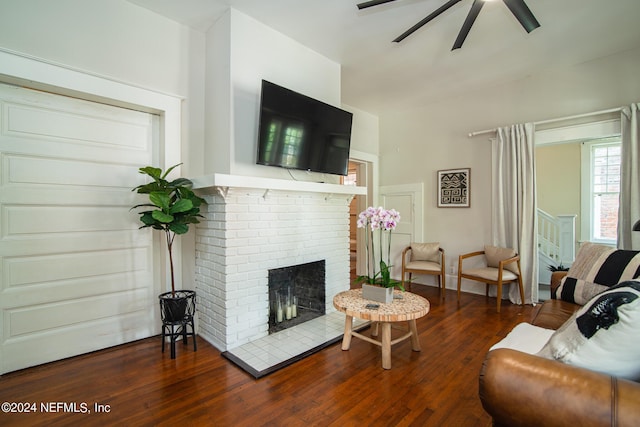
517,7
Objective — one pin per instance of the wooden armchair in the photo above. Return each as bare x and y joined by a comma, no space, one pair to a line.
424,258
503,266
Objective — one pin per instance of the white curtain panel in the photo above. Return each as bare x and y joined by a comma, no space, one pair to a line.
514,221
629,211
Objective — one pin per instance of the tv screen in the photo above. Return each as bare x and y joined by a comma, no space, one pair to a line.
299,132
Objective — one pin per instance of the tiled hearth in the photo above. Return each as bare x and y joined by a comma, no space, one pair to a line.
275,351
253,225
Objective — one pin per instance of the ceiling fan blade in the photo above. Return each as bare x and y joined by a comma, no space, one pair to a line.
372,3
523,14
437,12
468,23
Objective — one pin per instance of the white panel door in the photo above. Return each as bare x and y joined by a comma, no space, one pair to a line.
407,200
76,273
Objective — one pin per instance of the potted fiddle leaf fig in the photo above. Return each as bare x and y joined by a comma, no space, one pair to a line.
172,207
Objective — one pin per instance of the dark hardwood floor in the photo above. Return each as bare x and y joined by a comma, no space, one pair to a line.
139,385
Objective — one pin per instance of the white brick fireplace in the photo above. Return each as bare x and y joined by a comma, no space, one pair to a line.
253,225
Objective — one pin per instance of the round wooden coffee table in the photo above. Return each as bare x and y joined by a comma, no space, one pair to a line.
405,307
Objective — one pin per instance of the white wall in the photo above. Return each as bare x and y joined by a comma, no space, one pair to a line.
251,52
365,132
123,42
415,144
118,40
222,69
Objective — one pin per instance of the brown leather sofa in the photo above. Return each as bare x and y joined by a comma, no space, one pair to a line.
520,389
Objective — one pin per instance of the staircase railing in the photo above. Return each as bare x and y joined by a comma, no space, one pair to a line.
557,237
556,242
548,235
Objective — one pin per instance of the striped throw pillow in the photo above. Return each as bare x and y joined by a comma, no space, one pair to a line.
596,269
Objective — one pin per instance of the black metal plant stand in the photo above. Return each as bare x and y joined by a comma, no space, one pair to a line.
177,311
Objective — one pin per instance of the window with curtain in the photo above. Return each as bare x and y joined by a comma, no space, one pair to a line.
602,189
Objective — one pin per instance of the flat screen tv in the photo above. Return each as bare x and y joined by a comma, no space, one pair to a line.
299,132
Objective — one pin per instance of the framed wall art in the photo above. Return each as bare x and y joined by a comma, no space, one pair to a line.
454,188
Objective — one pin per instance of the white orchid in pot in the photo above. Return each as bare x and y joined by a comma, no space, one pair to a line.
378,222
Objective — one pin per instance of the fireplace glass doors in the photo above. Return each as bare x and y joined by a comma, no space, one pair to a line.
296,294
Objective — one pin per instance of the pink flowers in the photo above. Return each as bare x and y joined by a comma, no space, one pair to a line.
379,218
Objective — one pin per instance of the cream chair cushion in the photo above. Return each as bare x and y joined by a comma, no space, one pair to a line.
423,265
425,252
491,273
495,254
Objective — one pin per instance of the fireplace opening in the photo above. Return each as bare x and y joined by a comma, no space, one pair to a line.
296,294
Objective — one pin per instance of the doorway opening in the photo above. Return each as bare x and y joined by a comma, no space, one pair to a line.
573,182
356,175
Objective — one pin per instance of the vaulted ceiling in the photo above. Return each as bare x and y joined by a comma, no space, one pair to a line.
379,75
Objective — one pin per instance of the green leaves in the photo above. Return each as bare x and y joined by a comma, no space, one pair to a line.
162,217
179,228
174,204
170,169
180,182
147,219
381,278
182,205
159,183
385,273
151,171
161,200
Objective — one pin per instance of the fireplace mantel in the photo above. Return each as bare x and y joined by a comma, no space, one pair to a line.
222,182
